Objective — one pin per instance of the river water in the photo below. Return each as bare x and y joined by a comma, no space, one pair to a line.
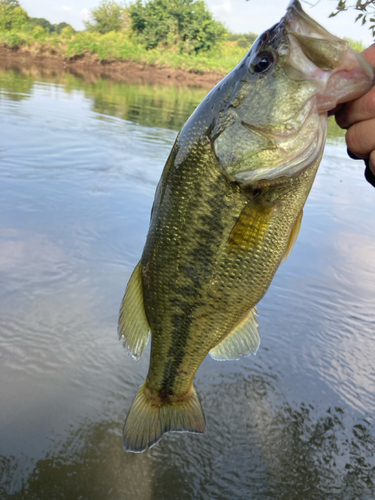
79,163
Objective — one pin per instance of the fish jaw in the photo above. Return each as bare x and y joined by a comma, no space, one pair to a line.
341,74
275,121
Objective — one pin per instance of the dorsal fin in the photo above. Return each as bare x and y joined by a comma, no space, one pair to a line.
293,236
242,340
133,327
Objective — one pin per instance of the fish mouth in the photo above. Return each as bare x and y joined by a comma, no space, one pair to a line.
312,72
315,54
337,73
296,20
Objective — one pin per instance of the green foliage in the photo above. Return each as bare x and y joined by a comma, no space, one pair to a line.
335,133
13,40
120,46
41,37
51,28
183,24
11,3
244,40
40,33
357,46
12,16
67,31
40,21
59,28
366,9
106,17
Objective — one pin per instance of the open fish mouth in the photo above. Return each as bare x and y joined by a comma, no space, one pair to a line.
276,124
318,55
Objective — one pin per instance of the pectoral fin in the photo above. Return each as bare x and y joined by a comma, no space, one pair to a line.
252,224
293,236
243,339
133,327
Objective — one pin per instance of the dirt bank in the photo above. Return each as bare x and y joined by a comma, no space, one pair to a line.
126,71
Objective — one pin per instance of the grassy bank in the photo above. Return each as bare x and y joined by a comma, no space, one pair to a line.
117,46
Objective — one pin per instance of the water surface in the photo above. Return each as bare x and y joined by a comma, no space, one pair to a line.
79,163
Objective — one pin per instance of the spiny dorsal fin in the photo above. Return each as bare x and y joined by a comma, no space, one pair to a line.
149,418
243,339
293,236
133,327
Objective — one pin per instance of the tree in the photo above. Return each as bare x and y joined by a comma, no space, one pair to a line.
366,8
185,24
64,26
40,21
243,40
12,16
108,16
10,3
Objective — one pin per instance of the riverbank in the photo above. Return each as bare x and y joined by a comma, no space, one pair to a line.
127,71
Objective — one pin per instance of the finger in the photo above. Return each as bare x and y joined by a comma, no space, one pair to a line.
355,111
362,108
372,162
333,111
369,54
360,138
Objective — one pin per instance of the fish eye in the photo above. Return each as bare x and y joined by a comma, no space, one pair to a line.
262,62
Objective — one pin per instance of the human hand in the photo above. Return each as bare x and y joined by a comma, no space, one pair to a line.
358,117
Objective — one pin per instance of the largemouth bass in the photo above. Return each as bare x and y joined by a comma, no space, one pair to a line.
227,212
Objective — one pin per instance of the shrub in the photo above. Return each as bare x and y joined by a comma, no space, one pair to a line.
108,16
12,16
185,24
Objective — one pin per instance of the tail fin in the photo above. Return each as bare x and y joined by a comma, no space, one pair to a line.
149,418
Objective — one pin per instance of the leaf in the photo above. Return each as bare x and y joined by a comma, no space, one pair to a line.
358,17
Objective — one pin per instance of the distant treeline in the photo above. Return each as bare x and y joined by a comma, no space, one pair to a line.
40,21
173,33
186,26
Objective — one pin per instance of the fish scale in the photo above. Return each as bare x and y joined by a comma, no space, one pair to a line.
226,214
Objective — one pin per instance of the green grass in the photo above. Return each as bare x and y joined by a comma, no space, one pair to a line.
117,46
357,46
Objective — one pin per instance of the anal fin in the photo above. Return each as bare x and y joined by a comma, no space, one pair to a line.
293,236
243,339
133,327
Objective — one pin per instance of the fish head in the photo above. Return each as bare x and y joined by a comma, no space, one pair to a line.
271,121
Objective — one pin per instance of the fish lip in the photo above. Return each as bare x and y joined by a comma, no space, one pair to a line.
296,15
